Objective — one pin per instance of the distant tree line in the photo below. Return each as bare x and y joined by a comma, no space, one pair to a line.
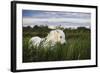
45,28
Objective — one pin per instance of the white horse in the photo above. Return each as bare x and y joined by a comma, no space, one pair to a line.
52,38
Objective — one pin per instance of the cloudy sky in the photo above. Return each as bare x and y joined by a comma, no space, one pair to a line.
56,18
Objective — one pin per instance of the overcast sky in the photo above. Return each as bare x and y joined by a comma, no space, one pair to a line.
56,18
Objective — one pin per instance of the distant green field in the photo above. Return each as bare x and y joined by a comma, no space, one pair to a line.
78,46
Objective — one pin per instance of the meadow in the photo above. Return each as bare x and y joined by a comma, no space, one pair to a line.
78,46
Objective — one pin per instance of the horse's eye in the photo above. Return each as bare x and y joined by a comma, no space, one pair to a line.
60,36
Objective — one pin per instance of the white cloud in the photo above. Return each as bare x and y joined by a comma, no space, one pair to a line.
29,21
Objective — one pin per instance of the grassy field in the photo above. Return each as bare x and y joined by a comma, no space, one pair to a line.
78,46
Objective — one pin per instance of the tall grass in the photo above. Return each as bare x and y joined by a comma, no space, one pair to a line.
77,48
